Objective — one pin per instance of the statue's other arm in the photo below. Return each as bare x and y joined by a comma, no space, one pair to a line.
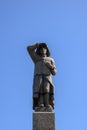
31,51
52,67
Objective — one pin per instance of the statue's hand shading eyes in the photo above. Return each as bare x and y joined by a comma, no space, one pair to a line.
37,45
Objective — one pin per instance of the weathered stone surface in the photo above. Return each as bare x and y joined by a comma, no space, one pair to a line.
43,121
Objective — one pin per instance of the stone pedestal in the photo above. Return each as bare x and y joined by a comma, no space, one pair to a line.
43,121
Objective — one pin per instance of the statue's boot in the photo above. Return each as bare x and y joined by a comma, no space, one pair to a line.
46,99
41,101
47,104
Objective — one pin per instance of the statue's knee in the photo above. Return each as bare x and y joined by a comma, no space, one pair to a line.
46,90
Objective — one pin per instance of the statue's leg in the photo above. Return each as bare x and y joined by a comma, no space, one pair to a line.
46,99
46,93
41,101
41,98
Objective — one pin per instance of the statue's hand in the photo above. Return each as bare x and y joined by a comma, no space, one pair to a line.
49,65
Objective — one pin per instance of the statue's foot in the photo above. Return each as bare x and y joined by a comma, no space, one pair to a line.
40,108
41,105
48,108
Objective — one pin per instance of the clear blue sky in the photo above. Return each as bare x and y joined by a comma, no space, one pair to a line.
62,24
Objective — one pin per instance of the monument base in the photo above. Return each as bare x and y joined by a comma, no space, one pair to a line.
43,121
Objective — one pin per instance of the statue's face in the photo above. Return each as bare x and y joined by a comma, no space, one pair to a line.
43,51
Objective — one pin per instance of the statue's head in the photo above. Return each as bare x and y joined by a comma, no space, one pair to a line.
43,46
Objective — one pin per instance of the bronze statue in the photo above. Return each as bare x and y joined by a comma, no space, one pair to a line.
43,88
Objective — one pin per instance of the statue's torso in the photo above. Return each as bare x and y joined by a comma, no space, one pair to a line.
41,67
